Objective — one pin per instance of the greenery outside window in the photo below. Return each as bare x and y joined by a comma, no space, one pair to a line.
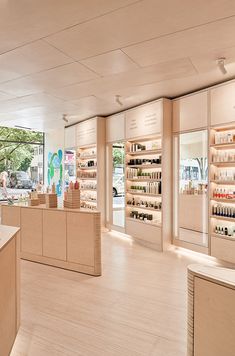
21,161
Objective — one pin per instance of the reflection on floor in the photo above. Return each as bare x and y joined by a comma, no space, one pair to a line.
137,308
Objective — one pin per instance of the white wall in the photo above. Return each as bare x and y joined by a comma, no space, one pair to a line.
54,145
115,128
70,137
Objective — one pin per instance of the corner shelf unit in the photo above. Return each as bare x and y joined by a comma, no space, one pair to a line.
90,163
222,192
148,184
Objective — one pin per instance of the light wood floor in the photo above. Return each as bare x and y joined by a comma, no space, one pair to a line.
138,306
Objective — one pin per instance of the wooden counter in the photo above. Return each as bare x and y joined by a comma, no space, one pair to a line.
65,238
9,287
211,311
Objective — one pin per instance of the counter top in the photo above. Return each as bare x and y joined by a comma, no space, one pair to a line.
6,234
220,275
43,206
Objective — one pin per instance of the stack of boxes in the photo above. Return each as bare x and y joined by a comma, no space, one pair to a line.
72,196
42,198
51,200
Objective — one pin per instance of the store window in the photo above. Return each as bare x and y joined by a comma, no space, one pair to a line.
21,161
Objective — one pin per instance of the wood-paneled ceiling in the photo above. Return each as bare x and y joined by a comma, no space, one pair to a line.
74,56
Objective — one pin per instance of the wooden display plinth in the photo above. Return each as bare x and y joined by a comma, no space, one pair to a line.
34,202
51,200
72,199
42,198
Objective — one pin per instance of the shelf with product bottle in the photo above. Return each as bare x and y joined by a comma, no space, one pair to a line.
222,190
148,173
87,176
151,205
148,176
90,163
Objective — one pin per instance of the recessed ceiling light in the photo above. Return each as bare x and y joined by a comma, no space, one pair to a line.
221,65
64,118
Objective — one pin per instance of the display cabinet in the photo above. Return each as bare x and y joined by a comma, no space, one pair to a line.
148,174
222,192
144,180
90,141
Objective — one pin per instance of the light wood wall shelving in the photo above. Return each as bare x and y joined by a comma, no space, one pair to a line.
211,109
90,164
222,192
148,179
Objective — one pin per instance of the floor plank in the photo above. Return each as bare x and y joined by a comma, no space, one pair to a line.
137,307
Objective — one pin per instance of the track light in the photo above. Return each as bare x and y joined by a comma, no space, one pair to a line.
64,118
221,65
118,100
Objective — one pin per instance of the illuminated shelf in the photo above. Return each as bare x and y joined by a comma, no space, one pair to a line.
223,200
144,166
225,237
144,152
224,146
89,200
143,222
224,182
218,217
84,189
94,168
143,208
87,157
223,164
143,180
86,178
144,194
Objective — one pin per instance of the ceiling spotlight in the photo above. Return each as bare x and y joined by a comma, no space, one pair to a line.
64,118
221,65
118,100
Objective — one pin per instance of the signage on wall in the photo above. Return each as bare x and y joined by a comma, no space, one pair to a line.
145,120
86,133
55,170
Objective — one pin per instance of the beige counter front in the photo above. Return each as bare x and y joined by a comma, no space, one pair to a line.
9,287
211,311
66,238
